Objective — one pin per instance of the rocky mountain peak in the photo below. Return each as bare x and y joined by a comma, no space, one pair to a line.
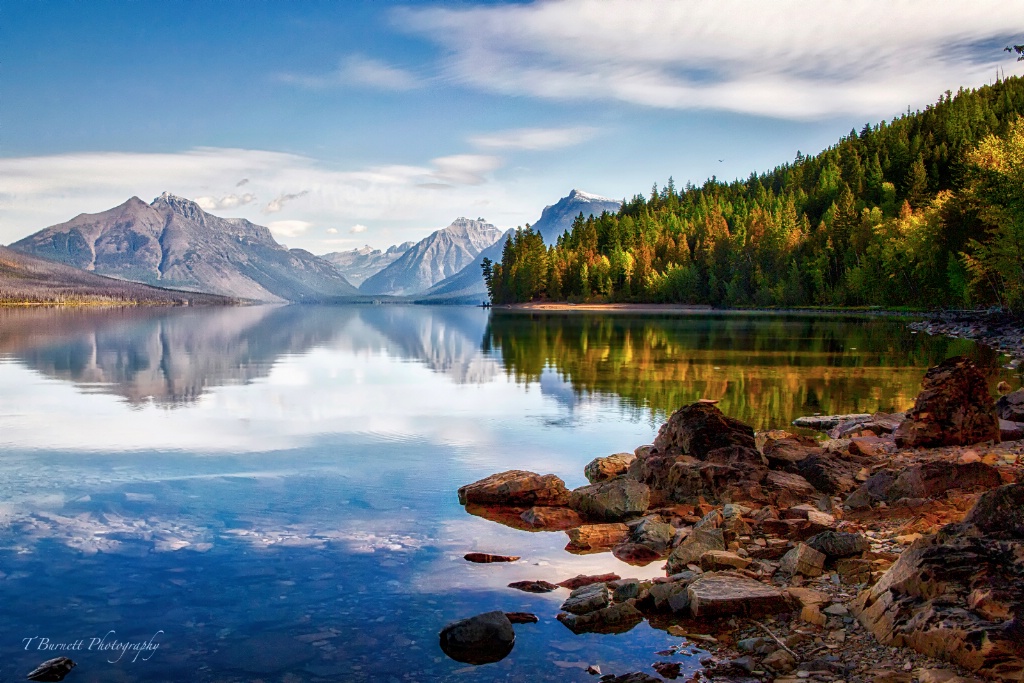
179,205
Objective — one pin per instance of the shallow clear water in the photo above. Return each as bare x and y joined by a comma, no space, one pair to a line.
269,493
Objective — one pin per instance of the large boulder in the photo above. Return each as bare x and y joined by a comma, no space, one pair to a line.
516,487
1011,406
612,500
693,548
835,545
957,595
720,594
482,639
699,428
954,408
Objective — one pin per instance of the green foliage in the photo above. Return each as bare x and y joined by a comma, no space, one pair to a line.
921,211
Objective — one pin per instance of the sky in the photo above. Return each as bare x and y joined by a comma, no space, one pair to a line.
338,124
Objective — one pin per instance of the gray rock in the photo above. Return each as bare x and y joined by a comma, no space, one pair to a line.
839,544
482,639
587,599
617,618
696,544
612,500
1011,406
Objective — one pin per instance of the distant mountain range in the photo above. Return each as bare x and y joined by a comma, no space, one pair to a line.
25,278
174,243
358,264
558,217
440,255
467,285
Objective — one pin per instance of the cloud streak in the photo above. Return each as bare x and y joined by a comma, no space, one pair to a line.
795,59
534,139
356,71
230,201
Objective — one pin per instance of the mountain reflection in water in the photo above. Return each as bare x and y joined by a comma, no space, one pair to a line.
273,488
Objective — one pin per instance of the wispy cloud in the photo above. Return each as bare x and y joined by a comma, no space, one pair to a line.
534,139
358,71
278,202
790,58
226,202
464,169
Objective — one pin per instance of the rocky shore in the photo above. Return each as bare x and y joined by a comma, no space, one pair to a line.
997,330
890,551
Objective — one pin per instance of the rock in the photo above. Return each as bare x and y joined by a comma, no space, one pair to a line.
871,446
807,596
617,618
722,594
602,469
700,428
522,617
516,487
668,670
533,586
670,596
588,598
879,423
52,670
551,518
1011,406
802,560
482,639
1011,431
822,423
636,554
954,408
854,571
780,661
484,558
714,560
932,479
596,537
634,677
624,589
835,545
955,595
789,450
828,473
654,534
788,488
695,545
939,676
874,490
836,610
811,614
586,580
612,500
594,670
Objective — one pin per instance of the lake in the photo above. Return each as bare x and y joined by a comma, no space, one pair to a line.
268,493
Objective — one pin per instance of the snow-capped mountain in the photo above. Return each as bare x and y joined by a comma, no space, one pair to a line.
558,217
363,262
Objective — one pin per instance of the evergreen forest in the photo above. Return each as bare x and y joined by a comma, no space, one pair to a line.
923,211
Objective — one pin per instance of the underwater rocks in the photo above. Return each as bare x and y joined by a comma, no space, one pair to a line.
954,408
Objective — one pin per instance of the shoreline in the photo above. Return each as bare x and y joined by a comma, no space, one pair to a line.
565,307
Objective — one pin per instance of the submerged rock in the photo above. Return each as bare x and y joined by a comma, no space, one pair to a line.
482,639
954,408
516,487
533,586
486,558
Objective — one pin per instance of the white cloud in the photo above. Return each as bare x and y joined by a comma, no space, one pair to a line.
789,58
278,203
45,190
332,231
226,202
289,228
534,139
356,229
356,70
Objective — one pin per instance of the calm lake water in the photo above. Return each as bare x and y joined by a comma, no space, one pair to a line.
268,494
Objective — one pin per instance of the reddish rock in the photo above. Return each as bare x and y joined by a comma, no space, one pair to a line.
521,617
551,518
871,446
699,428
533,586
636,554
956,595
803,560
596,537
486,558
933,479
954,408
789,450
516,487
612,500
603,469
585,580
668,670
720,594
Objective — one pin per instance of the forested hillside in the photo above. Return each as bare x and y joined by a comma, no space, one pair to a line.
925,210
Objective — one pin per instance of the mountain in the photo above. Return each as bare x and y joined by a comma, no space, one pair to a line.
467,285
25,278
558,218
442,254
358,264
174,243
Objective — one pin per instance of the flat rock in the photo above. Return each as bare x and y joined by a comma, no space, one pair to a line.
486,558
533,586
721,594
715,560
587,579
823,423
522,617
588,598
516,487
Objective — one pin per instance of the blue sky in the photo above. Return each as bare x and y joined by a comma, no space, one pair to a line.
343,123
